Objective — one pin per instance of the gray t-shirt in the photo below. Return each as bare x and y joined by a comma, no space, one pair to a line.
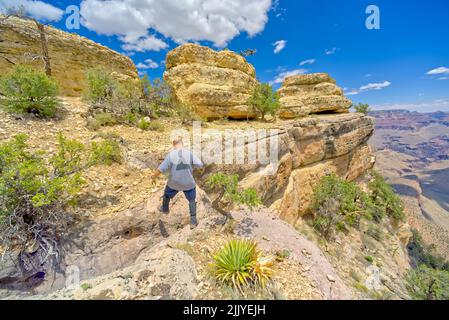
179,163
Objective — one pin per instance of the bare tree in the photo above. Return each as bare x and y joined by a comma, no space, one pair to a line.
20,13
248,52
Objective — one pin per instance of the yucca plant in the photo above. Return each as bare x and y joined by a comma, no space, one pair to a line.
262,269
239,263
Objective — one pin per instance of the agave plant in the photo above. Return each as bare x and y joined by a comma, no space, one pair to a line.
239,263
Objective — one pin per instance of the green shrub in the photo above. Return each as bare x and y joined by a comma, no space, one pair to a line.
150,125
29,91
422,254
106,119
106,152
385,199
362,108
231,192
370,259
35,193
338,203
264,100
426,283
239,263
100,85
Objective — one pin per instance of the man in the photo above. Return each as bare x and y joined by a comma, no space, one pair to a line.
179,164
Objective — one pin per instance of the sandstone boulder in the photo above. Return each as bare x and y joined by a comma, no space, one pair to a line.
71,55
311,93
214,84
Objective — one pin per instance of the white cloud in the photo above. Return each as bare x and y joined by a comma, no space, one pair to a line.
308,61
148,64
368,75
368,87
284,74
146,43
218,21
36,9
352,92
443,78
375,86
329,52
436,71
279,46
430,106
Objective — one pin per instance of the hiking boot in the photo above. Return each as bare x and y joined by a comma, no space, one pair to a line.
193,222
192,211
165,207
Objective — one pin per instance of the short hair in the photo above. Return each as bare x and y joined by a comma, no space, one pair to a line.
177,140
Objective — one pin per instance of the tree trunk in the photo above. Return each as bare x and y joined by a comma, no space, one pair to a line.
44,45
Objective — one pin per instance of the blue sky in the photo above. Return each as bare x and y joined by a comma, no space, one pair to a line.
387,68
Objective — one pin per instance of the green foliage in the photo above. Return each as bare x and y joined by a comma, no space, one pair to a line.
385,199
340,204
29,91
362,108
231,191
426,283
423,254
100,85
370,259
106,152
264,100
34,192
86,286
239,263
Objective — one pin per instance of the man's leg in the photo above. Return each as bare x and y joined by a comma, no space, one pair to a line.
169,193
191,197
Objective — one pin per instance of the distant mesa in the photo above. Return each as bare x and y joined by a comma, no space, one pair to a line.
306,94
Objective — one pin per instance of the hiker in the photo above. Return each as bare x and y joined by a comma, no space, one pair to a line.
179,164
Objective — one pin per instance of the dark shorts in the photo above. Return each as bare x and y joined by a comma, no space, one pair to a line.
170,193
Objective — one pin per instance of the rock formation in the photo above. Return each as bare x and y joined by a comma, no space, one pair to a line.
214,84
309,148
71,55
311,93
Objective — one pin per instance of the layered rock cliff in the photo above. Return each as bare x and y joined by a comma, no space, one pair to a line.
70,55
311,93
214,84
309,148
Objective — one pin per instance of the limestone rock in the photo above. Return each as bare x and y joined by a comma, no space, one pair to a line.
310,148
214,84
71,55
311,93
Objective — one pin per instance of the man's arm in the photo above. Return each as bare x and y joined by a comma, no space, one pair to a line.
162,168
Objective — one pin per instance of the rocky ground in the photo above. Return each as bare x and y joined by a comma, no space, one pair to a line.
124,249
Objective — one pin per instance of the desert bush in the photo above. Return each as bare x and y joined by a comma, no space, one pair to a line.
35,193
362,108
338,204
153,125
426,283
231,193
239,263
106,152
100,85
264,100
29,91
422,254
384,198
